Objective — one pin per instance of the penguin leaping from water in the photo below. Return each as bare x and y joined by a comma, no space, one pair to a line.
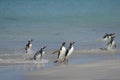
111,43
28,46
69,51
61,53
108,36
39,55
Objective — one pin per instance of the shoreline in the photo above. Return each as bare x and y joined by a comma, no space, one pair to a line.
89,54
99,70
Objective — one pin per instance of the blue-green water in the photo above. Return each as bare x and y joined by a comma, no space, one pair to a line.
53,21
50,22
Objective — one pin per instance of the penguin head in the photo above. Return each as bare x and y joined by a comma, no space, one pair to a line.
29,41
41,49
113,33
63,43
44,47
71,43
113,37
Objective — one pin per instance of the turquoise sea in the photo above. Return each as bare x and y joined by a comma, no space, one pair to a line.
50,22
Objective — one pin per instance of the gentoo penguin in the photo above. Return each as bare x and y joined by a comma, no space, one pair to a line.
28,46
39,55
69,51
108,36
111,35
61,53
111,43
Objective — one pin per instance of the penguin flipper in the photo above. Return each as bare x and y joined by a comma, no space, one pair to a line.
56,51
55,61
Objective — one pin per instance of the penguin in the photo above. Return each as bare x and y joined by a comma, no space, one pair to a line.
69,51
108,36
111,43
39,54
28,46
112,34
61,53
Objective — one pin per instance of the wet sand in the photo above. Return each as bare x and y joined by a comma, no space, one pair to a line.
98,70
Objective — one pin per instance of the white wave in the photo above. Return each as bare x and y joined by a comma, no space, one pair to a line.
19,61
97,51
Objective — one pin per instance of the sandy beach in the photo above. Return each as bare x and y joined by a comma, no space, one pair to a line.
99,70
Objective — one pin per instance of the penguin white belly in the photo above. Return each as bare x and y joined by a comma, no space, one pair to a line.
28,51
70,52
113,44
109,37
62,53
30,45
38,57
43,53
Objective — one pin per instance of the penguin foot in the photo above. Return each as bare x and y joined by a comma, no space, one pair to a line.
56,61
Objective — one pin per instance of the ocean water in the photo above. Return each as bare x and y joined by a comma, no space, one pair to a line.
50,22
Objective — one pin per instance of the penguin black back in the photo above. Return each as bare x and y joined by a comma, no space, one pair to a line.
70,46
40,52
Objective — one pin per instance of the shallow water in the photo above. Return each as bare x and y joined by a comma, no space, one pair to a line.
16,68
